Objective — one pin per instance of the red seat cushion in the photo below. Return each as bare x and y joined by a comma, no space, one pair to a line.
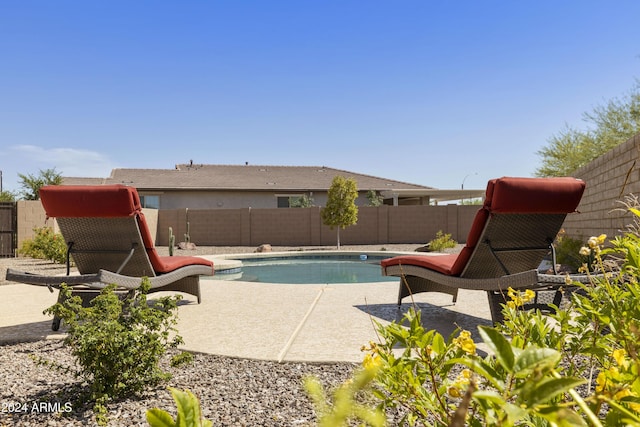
109,201
535,195
167,264
81,201
440,263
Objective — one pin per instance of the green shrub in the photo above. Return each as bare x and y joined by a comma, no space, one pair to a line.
442,241
568,252
577,366
343,405
188,409
118,342
45,245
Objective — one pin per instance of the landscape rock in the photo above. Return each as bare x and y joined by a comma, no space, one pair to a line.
188,246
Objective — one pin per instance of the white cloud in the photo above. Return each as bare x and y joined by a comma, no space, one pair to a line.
70,162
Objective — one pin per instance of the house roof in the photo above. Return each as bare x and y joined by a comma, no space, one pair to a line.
242,177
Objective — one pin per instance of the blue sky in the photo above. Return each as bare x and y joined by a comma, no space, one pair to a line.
429,92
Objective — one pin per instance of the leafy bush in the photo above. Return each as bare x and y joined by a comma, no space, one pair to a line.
118,342
578,366
343,405
568,251
575,254
445,382
441,241
189,413
374,198
45,245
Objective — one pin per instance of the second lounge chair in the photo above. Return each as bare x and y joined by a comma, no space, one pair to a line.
510,236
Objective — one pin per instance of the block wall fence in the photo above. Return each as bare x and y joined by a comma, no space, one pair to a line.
30,215
609,178
303,227
287,227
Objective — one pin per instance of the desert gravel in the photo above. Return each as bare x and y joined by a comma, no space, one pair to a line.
232,392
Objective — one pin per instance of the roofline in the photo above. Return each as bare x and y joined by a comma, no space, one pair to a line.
435,194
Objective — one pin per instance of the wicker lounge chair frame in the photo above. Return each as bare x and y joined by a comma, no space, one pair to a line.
511,234
108,238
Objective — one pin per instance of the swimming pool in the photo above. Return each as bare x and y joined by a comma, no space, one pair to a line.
328,268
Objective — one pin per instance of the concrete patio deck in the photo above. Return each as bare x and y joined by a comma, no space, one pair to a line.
313,323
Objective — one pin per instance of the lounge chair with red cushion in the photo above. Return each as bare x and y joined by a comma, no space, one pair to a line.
509,237
108,239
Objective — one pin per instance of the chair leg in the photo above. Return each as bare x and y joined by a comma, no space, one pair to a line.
55,325
401,294
495,299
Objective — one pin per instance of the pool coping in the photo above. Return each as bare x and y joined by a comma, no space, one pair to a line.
233,261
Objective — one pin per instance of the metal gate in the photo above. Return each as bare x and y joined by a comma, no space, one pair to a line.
8,229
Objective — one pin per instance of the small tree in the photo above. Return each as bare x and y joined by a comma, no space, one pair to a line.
374,198
7,196
341,210
609,125
31,184
303,201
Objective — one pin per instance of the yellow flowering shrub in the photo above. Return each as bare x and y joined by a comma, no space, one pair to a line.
577,366
465,342
460,384
519,299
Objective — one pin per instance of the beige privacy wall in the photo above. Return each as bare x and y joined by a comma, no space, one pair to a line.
30,215
609,178
303,226
289,227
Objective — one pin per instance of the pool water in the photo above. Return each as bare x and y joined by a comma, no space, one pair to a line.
312,271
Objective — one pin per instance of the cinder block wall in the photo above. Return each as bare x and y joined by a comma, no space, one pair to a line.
31,215
414,222
286,227
281,226
609,178
303,227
